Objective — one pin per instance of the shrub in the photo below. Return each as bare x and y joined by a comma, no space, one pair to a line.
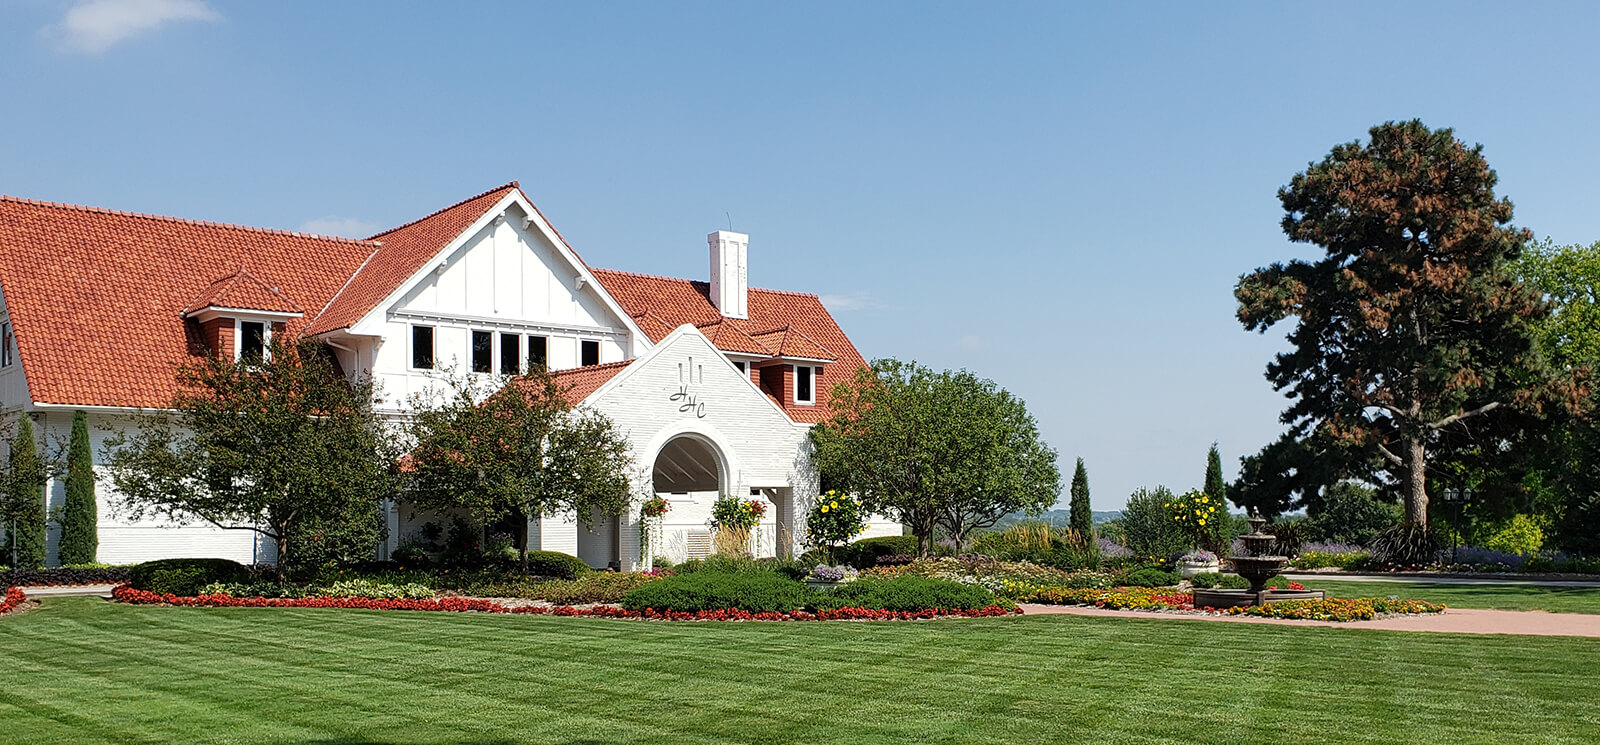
411,553
185,576
864,554
555,564
86,574
834,519
1520,534
706,590
1148,527
1348,513
908,593
1323,559
1290,533
1150,577
1405,545
1215,580
79,541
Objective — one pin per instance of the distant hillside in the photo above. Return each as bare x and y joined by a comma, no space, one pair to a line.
1054,517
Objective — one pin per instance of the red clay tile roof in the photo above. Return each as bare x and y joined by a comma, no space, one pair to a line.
578,382
402,253
95,294
679,301
730,338
244,291
653,326
787,342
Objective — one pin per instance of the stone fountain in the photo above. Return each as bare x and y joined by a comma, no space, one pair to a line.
1257,564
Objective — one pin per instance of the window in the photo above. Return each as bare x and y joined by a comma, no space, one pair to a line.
591,353
422,347
802,385
739,365
536,350
510,354
252,340
482,351
5,344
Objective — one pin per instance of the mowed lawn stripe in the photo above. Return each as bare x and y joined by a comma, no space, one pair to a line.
89,671
1491,596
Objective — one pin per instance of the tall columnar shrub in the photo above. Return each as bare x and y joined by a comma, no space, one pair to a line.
25,499
1215,487
79,540
1081,514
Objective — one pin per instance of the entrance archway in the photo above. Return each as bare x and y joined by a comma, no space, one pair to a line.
691,472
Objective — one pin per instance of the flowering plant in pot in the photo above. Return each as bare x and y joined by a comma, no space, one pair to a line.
823,577
732,522
650,514
1198,561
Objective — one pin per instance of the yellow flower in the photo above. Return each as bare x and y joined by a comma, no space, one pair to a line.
1205,499
834,505
1202,521
824,508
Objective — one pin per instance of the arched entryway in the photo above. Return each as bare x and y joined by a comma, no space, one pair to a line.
689,471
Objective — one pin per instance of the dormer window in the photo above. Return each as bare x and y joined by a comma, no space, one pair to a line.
803,393
253,338
6,345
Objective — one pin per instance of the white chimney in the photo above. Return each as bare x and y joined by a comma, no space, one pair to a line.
730,278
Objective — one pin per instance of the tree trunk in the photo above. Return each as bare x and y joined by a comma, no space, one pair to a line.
1415,483
282,541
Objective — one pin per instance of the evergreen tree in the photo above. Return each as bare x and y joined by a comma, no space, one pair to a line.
24,503
1411,337
79,541
1215,487
1082,516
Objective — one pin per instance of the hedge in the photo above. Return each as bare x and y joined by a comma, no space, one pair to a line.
185,576
555,564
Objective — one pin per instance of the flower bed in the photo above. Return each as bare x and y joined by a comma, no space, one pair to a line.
13,598
1166,599
1337,609
129,595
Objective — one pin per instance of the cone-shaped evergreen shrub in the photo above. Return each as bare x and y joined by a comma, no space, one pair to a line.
1082,516
79,539
25,499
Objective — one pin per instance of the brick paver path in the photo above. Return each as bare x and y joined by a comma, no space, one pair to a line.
1453,620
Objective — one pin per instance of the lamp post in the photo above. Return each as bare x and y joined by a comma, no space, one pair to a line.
1455,498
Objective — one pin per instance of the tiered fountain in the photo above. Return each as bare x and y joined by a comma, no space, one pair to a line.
1258,565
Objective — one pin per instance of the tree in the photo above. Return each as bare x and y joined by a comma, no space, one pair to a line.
1412,333
1082,514
80,541
268,445
945,449
25,499
1350,512
514,447
1148,529
1215,487
1567,468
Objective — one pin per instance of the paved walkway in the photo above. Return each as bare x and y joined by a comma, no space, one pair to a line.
68,591
1453,620
1305,577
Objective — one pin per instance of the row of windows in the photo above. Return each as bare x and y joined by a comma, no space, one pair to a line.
482,354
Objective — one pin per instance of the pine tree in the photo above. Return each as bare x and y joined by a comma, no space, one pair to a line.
1082,517
79,541
25,499
1215,487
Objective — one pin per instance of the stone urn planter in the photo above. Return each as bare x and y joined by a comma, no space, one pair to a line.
824,577
1188,569
825,584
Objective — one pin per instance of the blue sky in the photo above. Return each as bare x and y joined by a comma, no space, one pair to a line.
1056,196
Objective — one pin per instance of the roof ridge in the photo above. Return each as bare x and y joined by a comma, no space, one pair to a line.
179,220
699,282
441,210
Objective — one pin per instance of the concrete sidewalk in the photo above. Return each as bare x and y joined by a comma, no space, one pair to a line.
1304,577
67,591
1452,621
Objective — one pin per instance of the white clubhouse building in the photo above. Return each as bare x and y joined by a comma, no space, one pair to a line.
714,384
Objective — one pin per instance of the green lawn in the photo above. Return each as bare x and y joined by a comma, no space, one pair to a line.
1503,597
82,670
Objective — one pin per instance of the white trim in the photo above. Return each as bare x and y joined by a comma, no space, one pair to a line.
211,312
501,323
